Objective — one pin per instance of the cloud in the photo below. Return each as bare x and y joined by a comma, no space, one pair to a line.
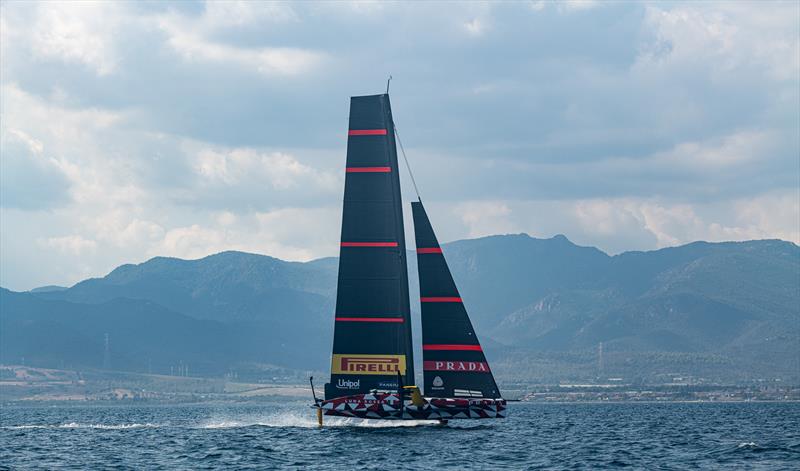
29,179
577,5
281,171
272,233
191,242
121,229
620,224
192,39
187,128
484,218
475,27
727,37
218,15
77,32
75,161
267,61
73,244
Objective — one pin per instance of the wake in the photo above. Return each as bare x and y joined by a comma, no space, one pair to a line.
299,420
75,425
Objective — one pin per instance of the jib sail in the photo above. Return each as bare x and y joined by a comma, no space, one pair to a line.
372,333
453,361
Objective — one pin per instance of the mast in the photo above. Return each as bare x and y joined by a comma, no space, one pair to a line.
453,361
372,333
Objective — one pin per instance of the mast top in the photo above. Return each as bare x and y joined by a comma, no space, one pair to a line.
387,84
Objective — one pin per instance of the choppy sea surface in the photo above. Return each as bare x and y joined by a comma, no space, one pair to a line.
275,435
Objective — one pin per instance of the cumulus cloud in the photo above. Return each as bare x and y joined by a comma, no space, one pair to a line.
484,218
475,27
217,15
73,244
267,61
726,36
193,39
29,179
277,169
271,233
77,32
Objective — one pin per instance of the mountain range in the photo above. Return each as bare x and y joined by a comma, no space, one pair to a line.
546,310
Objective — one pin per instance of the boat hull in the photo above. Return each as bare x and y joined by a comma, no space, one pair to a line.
387,406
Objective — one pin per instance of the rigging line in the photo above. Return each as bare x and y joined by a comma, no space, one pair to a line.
410,173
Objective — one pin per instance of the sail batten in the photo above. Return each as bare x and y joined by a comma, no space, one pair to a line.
372,328
454,364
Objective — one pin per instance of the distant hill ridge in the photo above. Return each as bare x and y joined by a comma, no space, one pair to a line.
542,307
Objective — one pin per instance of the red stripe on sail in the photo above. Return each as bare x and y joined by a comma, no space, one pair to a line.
369,244
440,299
370,319
476,348
429,250
366,132
369,169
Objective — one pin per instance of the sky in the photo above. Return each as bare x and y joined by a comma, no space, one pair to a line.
138,129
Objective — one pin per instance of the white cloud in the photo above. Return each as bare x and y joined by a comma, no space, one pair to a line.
566,6
192,40
301,233
577,5
616,132
29,178
475,27
226,218
289,233
604,217
74,244
267,61
723,37
82,144
190,242
35,146
280,170
122,228
484,218
739,148
79,32
115,215
774,215
226,14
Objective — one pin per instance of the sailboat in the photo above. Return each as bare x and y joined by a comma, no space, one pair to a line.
372,365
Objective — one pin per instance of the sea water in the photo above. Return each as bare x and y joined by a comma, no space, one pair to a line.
276,435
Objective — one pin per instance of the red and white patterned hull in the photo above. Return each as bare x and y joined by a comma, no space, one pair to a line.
386,406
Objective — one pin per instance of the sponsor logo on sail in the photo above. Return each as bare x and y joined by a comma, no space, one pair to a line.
461,366
368,364
348,384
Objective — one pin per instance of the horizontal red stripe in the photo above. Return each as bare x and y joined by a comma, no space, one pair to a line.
453,347
370,319
429,250
440,300
369,244
366,132
369,169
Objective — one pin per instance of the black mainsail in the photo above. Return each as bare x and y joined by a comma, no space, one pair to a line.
453,361
372,333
